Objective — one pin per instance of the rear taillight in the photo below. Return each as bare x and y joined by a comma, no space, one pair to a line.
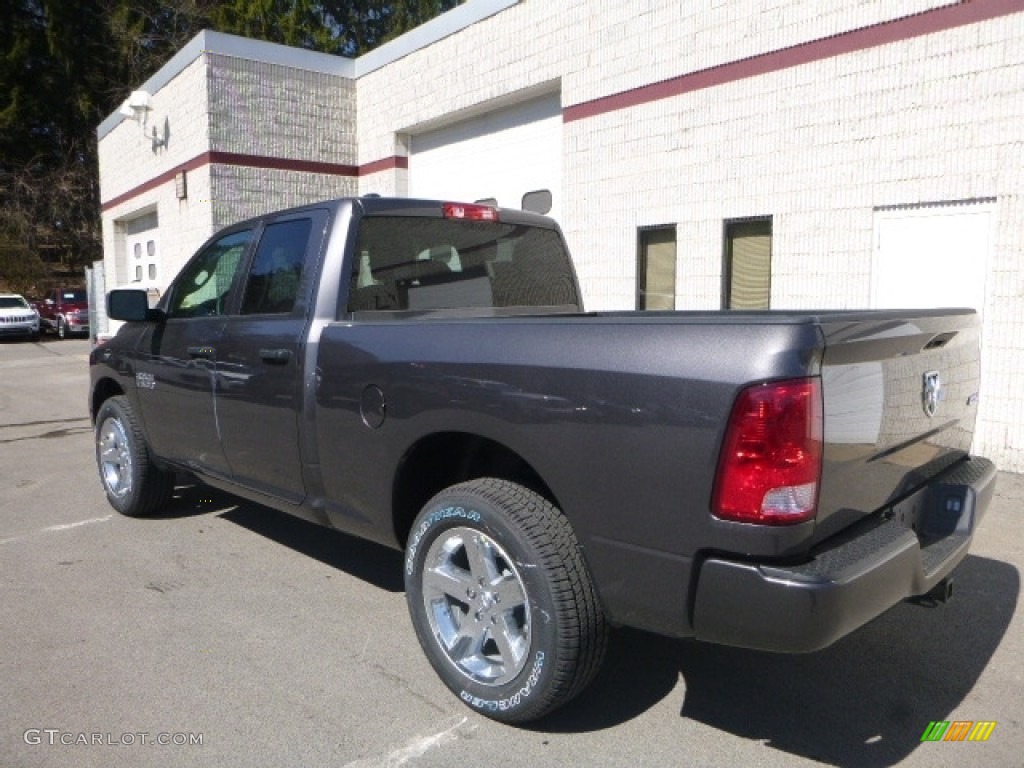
469,212
770,466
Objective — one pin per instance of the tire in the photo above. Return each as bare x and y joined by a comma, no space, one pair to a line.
62,329
501,600
134,485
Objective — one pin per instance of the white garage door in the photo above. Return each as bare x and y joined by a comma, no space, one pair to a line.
932,256
501,155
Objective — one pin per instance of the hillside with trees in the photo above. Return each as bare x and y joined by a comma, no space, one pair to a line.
65,65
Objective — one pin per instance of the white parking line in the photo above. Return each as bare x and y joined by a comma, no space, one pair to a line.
55,528
415,748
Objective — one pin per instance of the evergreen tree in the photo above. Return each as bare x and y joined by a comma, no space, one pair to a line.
404,15
67,64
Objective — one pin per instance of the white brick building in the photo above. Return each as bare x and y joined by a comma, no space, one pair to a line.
699,156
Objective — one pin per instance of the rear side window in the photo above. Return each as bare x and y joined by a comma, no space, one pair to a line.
273,282
410,263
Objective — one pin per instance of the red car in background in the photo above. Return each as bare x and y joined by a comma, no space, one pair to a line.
65,311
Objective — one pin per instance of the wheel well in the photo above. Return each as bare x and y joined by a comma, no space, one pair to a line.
103,391
445,459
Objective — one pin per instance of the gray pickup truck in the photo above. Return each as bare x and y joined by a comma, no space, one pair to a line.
423,375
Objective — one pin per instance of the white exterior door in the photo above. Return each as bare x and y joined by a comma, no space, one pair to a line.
932,256
143,266
500,155
142,253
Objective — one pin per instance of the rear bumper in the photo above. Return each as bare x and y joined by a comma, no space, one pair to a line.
850,579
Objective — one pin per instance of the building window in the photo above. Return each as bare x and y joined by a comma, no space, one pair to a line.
656,268
747,270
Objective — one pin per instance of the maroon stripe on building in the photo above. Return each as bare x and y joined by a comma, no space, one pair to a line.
387,164
216,157
281,164
156,181
906,28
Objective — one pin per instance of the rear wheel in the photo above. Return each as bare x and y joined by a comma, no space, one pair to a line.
134,485
501,600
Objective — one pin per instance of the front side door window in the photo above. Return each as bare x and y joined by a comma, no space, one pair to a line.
203,287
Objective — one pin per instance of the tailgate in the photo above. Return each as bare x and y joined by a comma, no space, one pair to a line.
900,400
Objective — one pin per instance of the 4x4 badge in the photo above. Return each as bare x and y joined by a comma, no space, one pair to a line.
932,393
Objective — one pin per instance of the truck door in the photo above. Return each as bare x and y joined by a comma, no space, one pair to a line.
260,358
175,370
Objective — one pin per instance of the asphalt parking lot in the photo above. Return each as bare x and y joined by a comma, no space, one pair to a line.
226,634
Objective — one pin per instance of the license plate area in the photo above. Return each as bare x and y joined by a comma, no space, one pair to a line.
936,511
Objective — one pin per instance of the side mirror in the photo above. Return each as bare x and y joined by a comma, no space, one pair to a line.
131,305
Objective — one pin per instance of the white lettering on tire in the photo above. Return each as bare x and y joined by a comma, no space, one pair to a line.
495,705
435,517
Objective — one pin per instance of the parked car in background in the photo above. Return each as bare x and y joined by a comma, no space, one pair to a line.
65,311
17,318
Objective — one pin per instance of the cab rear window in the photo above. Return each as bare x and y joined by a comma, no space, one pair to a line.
416,263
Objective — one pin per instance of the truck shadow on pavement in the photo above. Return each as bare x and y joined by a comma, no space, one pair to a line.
367,561
373,563
191,499
865,701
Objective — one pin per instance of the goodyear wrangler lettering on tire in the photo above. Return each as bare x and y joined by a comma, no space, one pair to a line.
441,514
501,599
512,701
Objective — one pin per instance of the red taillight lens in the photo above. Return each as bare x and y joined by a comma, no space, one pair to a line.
770,467
469,212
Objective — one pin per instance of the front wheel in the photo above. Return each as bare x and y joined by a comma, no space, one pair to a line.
134,485
501,600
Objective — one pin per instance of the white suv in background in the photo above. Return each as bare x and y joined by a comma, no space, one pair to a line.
17,318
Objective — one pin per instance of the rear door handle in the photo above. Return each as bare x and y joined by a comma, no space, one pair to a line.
276,355
205,353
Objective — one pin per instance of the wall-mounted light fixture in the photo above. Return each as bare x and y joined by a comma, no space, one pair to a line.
136,106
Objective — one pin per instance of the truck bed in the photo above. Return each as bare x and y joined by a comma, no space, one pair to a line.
622,411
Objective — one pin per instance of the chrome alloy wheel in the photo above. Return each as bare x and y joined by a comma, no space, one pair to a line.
115,458
477,606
